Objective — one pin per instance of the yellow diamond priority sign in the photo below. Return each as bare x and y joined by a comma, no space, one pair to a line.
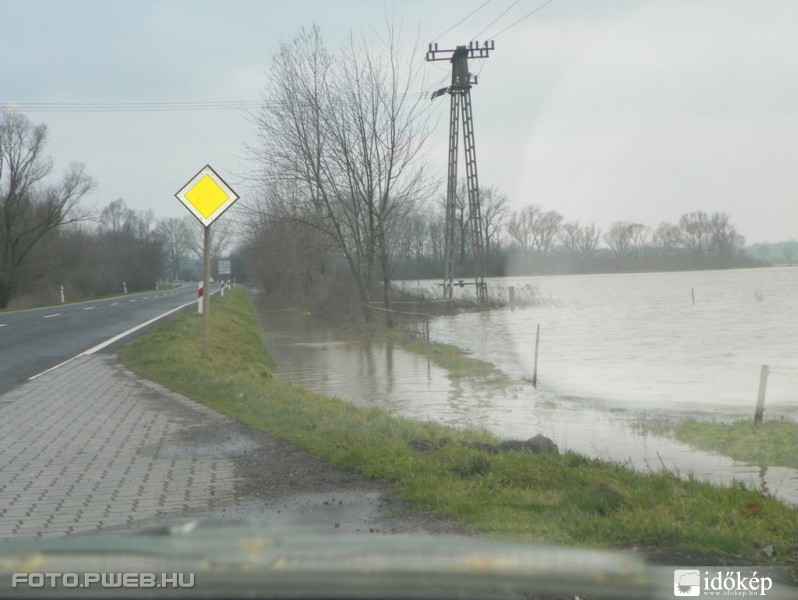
207,195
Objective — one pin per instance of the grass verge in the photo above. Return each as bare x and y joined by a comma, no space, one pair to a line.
775,443
565,498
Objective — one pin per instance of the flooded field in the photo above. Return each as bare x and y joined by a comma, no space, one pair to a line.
674,342
614,349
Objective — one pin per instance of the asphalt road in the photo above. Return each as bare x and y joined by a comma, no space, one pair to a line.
32,341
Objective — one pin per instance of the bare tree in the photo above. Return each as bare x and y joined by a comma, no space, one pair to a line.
222,234
639,237
435,231
626,239
545,229
694,233
666,238
30,209
462,219
580,241
378,136
494,211
724,239
177,239
347,133
299,253
131,249
521,224
699,237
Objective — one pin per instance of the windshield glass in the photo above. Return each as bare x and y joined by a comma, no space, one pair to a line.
430,299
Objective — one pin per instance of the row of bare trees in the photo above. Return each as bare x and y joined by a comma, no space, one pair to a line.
32,209
125,249
50,238
532,239
339,160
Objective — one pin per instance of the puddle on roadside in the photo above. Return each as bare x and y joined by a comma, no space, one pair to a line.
350,511
380,374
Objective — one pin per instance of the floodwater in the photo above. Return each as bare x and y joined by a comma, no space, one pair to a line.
673,342
614,349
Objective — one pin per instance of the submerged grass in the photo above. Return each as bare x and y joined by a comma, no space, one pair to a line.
446,356
775,443
565,498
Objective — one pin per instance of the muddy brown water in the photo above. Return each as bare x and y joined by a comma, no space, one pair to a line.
381,374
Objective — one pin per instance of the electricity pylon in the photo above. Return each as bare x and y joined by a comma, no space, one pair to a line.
460,93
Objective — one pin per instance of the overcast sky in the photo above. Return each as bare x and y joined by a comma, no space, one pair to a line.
603,110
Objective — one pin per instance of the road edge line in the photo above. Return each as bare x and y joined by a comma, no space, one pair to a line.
111,340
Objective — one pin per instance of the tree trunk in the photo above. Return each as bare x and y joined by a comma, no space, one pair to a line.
6,293
386,279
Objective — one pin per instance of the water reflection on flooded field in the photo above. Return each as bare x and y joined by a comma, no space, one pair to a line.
380,374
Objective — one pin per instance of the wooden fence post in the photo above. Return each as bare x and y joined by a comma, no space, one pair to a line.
760,400
537,344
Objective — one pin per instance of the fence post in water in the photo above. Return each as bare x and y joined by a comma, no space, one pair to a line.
537,344
511,295
692,295
760,400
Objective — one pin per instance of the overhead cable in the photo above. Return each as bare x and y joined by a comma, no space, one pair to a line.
461,20
476,37
529,14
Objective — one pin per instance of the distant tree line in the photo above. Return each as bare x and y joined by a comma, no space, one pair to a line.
533,240
49,238
124,249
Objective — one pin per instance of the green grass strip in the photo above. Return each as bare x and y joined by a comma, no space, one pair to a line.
446,356
775,443
566,499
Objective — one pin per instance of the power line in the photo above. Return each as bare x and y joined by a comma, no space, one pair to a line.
476,37
529,14
122,107
437,37
130,106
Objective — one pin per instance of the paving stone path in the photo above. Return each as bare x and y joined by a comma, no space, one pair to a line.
82,450
92,447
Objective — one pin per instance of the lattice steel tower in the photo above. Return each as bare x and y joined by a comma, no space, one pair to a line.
460,93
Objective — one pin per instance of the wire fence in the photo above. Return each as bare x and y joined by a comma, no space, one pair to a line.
413,323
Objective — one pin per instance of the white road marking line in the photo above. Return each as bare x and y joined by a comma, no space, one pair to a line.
114,303
90,308
51,316
116,338
3,324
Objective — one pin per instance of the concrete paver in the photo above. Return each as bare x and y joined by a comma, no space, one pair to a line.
92,447
79,451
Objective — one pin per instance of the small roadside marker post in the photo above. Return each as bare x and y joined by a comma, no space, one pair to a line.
206,196
760,400
537,345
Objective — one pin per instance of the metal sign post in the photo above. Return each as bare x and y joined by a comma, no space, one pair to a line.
206,286
206,196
